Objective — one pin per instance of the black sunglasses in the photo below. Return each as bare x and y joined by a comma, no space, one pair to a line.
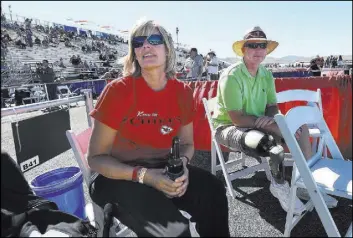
256,45
138,41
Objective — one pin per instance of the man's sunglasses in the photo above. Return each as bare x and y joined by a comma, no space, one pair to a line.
138,41
256,45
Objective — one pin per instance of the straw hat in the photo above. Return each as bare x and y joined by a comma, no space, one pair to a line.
254,34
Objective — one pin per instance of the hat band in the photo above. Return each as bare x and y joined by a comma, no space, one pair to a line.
255,34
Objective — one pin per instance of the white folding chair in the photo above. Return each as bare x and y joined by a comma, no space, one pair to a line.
79,145
313,98
318,175
63,91
209,106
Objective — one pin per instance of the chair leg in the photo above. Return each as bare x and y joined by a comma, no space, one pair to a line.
267,168
314,145
242,158
213,158
224,170
325,150
292,199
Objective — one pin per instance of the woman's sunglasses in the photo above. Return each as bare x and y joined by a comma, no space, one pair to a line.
138,41
256,45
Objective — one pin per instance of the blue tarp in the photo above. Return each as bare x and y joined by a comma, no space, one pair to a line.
70,28
97,86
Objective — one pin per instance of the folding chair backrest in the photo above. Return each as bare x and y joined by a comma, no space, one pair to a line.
209,106
299,116
63,89
79,145
300,95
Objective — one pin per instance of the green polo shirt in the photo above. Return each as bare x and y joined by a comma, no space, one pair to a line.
238,90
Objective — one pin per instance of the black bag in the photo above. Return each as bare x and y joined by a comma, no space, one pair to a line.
24,214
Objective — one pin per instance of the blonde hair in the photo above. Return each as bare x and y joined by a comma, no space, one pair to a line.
145,28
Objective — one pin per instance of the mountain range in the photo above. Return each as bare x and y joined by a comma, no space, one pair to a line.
285,60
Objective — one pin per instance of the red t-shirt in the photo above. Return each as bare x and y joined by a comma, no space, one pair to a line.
146,120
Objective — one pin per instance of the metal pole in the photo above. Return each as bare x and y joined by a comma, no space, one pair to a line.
46,91
89,105
37,106
177,35
10,13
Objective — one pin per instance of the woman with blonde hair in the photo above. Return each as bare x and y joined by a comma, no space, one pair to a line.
136,118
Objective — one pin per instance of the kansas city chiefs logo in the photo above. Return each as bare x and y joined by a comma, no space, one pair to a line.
166,130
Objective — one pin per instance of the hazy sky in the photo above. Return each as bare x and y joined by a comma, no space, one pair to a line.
301,28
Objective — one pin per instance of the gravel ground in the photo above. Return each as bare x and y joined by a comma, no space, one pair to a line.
254,212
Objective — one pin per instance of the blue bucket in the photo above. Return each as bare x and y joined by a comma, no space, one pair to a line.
64,187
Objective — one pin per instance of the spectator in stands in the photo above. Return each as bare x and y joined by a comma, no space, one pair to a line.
61,63
75,60
194,64
129,147
45,41
28,23
246,99
26,69
47,76
85,65
29,39
314,68
340,62
212,65
93,67
20,43
5,37
102,57
45,73
112,74
37,41
68,43
107,64
334,62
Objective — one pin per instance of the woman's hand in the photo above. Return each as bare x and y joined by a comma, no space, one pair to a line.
157,179
184,179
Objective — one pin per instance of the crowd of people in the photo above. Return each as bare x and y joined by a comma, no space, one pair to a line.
199,67
334,62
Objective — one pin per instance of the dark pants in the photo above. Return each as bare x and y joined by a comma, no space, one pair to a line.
148,212
52,91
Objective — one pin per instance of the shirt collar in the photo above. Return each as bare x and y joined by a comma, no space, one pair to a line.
260,70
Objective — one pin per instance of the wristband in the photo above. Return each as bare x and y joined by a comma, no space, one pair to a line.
141,174
134,173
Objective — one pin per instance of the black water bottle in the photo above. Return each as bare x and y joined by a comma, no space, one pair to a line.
175,167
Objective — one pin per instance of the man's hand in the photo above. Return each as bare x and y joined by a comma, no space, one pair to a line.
157,179
264,121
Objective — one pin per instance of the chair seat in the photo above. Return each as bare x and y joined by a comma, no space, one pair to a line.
334,176
314,132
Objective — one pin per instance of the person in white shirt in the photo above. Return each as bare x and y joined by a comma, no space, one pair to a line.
212,65
194,65
340,62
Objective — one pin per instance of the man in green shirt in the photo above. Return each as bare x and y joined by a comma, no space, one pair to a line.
246,101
